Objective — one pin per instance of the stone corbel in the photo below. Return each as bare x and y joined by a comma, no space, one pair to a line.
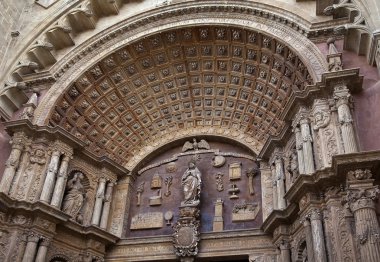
41,52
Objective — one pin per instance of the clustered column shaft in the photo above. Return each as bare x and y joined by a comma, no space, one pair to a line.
50,177
11,165
317,236
98,202
60,184
106,206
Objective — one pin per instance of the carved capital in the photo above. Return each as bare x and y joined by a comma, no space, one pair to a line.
342,95
45,241
315,214
33,237
284,244
362,198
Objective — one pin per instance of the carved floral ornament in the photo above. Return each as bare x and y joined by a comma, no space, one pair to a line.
145,94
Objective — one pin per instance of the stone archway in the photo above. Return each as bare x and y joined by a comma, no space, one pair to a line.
186,80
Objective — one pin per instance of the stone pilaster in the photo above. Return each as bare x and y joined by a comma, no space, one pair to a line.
42,250
31,247
60,184
50,177
342,98
106,205
361,195
98,202
12,163
285,251
315,217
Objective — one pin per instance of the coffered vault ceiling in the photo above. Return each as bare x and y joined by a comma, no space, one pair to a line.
214,77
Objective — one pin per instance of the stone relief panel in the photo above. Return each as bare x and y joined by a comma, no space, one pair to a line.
244,212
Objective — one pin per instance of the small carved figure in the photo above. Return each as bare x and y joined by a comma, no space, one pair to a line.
74,197
156,200
233,191
251,173
168,183
292,167
195,145
219,182
140,190
191,183
322,119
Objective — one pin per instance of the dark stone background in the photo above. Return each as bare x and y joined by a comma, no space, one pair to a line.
209,193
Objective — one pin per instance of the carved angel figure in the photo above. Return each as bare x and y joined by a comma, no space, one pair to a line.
74,197
195,145
191,183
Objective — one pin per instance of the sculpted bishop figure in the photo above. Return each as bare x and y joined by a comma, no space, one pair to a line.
74,198
191,184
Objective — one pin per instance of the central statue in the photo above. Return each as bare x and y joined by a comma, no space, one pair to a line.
191,184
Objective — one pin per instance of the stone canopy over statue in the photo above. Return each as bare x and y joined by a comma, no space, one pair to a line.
191,185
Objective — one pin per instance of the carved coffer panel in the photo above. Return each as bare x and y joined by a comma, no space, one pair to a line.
158,191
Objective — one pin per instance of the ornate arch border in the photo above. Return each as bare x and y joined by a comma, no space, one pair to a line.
69,69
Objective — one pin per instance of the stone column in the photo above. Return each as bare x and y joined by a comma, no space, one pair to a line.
285,251
12,163
274,189
60,184
107,205
308,156
309,240
342,98
361,197
299,143
50,177
42,250
98,202
31,248
25,158
315,217
280,182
